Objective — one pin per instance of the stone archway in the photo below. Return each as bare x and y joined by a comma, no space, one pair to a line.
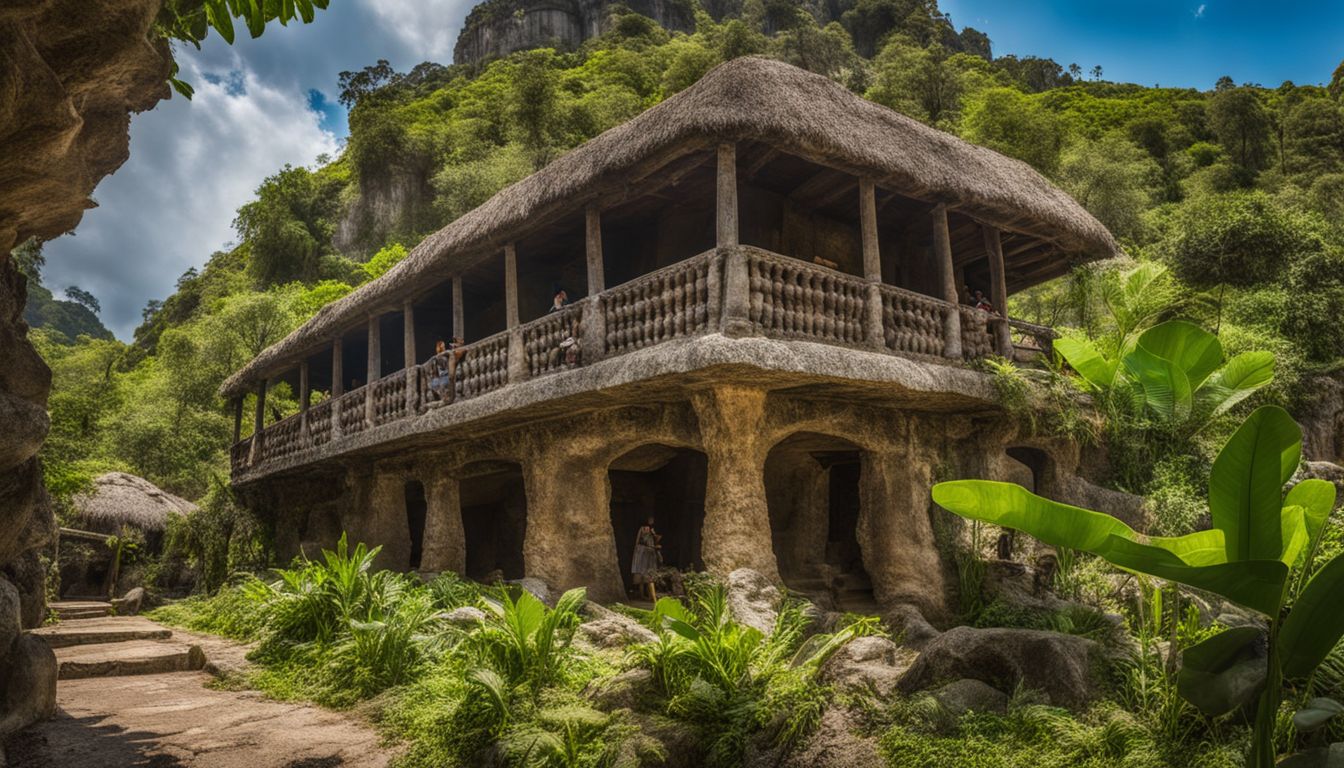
814,494
668,484
494,519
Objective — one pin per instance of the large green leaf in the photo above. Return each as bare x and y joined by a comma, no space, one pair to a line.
1166,388
1255,584
1198,548
1316,713
1295,534
1084,357
1223,672
1316,623
1193,350
1245,486
1012,506
1317,500
1238,379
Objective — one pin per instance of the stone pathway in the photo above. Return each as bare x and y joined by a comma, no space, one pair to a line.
132,695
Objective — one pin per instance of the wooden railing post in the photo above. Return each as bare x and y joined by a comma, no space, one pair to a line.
593,323
873,333
258,425
337,386
408,356
998,291
517,370
942,255
374,370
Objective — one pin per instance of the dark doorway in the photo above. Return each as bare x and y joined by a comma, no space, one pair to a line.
813,492
416,507
494,519
668,484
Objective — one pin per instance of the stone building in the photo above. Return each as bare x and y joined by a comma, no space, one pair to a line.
766,274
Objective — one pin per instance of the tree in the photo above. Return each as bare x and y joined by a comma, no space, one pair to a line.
29,259
1336,87
288,226
1013,123
534,104
1242,126
1241,239
355,86
1075,71
925,83
83,298
1311,319
1314,138
1096,72
1224,83
1113,179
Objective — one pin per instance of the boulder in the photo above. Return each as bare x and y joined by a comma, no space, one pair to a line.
752,599
27,684
465,617
615,631
910,626
130,603
628,690
28,576
866,665
967,695
10,619
838,742
536,586
1063,667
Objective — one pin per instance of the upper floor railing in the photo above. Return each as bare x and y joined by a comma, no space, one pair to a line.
776,297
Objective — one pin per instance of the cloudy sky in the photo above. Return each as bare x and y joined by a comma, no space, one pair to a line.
266,102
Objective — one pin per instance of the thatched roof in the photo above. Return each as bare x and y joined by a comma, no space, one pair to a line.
120,499
746,99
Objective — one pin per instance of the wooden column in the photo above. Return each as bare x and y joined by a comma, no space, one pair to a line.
517,355
593,334
998,291
237,419
303,402
375,367
258,425
459,310
408,356
337,385
735,319
873,332
947,279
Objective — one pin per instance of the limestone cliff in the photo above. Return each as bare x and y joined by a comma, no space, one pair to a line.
500,27
71,72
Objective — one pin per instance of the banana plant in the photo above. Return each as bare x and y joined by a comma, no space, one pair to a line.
1259,536
1174,371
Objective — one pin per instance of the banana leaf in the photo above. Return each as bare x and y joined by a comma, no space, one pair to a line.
1166,388
1238,379
1012,506
1085,358
1191,349
1315,624
1245,486
1223,672
1317,499
1255,584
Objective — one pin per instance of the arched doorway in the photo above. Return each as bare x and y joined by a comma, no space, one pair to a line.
813,492
494,519
416,508
666,483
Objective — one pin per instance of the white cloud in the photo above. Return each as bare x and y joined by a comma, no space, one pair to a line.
1199,12
427,26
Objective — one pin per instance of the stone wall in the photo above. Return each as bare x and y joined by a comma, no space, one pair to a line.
71,72
566,464
500,27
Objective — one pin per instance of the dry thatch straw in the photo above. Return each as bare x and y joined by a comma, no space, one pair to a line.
120,499
746,99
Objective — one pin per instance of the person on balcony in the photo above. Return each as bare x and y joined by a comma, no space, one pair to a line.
559,301
981,303
644,564
440,371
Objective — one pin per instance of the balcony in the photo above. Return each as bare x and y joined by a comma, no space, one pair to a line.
739,291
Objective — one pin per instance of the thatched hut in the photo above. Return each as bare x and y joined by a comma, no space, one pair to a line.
121,500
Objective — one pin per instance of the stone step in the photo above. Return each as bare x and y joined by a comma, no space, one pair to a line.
80,609
105,629
133,657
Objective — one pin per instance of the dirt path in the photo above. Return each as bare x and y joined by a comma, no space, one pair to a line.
172,719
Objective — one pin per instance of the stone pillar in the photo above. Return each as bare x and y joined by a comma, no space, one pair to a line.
408,355
998,291
873,332
337,385
517,354
375,367
459,310
726,219
569,541
593,335
445,547
385,523
258,425
947,279
303,402
895,533
736,533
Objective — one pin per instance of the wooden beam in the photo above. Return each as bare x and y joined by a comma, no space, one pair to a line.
459,311
873,332
408,355
942,254
816,185
597,280
510,286
337,368
258,424
844,187
998,290
237,418
756,165
303,386
726,228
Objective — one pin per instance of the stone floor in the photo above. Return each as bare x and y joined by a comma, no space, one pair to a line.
167,720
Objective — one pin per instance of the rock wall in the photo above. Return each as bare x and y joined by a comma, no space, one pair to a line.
71,72
500,27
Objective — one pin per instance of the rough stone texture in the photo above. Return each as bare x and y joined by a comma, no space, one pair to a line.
837,743
130,603
26,574
1063,667
109,629
867,665
1322,420
10,625
494,30
752,599
605,628
969,695
628,690
445,542
131,657
913,630
465,617
27,684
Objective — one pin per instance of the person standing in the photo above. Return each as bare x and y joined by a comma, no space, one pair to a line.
644,564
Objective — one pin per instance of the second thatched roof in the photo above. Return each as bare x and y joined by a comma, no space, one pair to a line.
746,99
120,499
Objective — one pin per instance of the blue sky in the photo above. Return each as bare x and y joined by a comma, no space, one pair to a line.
1168,42
263,103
